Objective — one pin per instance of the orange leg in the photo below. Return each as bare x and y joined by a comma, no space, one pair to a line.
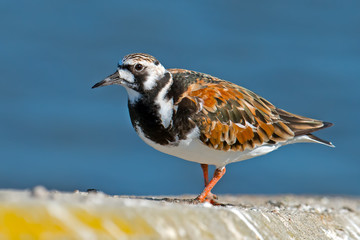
206,174
219,172
210,195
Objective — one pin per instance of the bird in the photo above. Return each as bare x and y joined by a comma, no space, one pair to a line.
200,118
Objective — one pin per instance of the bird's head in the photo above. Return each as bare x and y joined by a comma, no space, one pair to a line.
137,72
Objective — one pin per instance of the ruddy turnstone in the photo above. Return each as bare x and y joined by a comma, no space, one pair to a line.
201,118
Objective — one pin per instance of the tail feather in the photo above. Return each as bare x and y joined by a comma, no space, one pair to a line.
319,140
304,126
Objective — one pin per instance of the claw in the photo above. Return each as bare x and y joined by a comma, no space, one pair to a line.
211,196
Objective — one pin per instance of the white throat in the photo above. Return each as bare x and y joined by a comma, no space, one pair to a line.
133,95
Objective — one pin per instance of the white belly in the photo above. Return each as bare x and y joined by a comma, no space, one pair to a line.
192,149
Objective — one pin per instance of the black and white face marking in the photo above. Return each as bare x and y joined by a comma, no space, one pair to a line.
138,73
144,78
145,69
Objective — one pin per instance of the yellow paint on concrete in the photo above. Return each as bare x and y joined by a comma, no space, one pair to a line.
36,222
18,222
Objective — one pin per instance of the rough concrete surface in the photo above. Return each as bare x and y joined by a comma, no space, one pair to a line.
42,214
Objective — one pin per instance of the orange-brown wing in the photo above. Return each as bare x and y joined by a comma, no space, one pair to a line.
233,118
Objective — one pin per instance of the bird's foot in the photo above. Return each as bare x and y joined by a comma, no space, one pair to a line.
210,198
212,201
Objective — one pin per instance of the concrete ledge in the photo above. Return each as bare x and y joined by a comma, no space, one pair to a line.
42,214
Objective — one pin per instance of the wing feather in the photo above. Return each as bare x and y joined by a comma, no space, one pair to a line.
231,117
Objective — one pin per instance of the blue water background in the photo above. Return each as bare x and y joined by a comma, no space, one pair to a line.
303,56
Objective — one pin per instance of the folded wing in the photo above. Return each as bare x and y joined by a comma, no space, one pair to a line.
233,118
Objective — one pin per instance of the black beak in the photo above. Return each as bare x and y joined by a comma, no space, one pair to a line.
99,84
112,79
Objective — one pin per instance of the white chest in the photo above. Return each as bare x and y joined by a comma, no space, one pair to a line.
192,149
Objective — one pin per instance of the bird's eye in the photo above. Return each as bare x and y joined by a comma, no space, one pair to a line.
139,67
